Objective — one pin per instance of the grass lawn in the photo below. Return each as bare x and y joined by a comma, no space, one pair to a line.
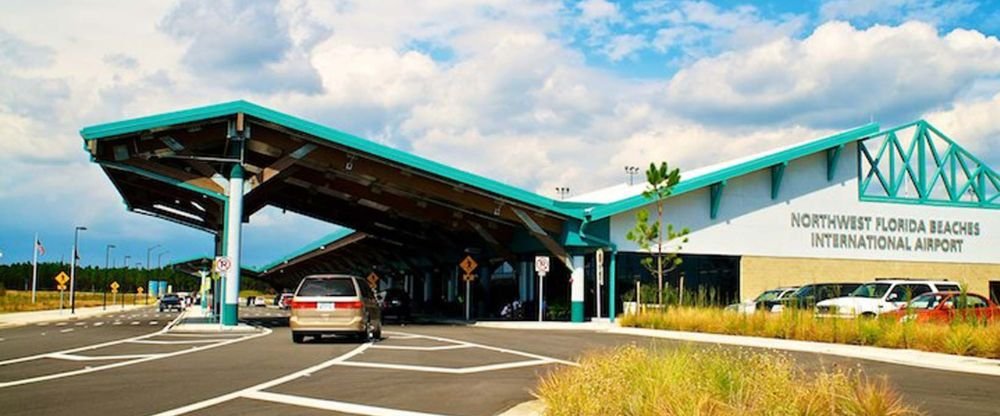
961,338
20,300
634,381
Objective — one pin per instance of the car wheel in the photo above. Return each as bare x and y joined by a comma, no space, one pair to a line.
298,338
368,334
868,315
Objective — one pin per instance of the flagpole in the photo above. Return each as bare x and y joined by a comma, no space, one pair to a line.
34,268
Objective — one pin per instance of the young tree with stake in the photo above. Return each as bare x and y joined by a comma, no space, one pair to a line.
660,182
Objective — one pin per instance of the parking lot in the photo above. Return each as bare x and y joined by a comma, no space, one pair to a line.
416,369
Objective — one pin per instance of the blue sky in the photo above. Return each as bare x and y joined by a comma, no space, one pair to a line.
538,94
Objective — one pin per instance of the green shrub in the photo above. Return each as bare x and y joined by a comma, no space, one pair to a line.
633,381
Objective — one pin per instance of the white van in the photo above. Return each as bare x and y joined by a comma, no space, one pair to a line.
880,296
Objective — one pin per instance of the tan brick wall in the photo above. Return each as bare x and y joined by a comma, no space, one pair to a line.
760,273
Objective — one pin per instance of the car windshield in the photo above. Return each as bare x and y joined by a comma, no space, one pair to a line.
803,291
925,301
768,295
327,287
871,290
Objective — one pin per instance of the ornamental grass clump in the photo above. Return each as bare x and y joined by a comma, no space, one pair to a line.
962,337
630,380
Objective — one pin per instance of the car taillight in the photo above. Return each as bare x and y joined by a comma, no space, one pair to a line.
348,305
303,305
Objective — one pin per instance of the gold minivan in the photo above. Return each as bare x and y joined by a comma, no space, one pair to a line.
335,304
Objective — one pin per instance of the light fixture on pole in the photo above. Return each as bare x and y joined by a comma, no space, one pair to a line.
72,270
159,259
631,171
562,191
107,273
148,252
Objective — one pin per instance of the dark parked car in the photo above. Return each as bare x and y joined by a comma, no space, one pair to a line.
395,303
171,301
807,295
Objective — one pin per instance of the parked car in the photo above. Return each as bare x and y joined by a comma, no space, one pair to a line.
395,303
171,301
947,307
807,296
760,302
335,305
284,300
880,296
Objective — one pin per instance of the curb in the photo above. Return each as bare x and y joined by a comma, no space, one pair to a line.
528,408
912,358
42,319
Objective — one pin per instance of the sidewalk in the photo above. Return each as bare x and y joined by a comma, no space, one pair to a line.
194,319
13,319
913,358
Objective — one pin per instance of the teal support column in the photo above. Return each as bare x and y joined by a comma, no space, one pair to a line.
234,226
576,290
612,277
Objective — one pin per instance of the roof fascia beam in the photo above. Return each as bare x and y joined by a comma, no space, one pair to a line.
715,198
164,178
543,237
777,174
832,159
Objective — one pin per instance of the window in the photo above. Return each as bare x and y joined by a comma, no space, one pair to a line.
327,287
871,290
905,292
971,301
947,287
925,301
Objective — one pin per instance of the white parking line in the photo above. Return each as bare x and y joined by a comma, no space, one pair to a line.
331,405
266,385
129,359
61,324
447,370
135,322
413,348
153,322
183,341
66,330
43,324
98,323
81,323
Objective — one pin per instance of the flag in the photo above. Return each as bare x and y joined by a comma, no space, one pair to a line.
39,247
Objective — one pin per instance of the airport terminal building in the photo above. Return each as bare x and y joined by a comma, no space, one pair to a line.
866,203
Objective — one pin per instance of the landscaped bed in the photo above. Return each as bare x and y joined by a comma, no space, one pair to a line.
961,337
634,381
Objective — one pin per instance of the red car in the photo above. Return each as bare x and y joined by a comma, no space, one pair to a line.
948,306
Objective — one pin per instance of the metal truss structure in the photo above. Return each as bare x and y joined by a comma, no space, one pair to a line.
917,164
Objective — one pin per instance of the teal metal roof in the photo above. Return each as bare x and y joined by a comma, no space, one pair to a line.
690,184
308,248
165,120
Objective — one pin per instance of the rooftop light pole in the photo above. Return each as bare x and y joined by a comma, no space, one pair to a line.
631,171
562,191
148,251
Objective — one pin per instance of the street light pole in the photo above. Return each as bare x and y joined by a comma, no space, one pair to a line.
148,252
159,259
72,270
107,273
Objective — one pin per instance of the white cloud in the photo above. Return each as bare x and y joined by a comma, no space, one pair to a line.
973,125
837,76
698,28
932,11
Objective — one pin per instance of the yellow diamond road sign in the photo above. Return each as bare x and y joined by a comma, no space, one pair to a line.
468,265
114,287
372,279
139,289
62,278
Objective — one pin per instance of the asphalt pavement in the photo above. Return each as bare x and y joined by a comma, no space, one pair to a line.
420,369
